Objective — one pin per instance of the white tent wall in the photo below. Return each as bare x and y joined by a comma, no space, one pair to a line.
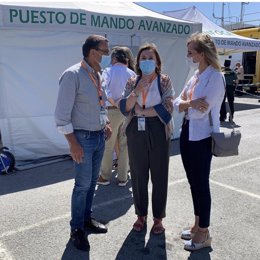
31,62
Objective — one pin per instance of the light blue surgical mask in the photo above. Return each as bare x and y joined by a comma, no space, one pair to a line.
105,61
147,66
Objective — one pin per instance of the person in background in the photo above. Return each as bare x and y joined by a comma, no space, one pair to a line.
240,77
131,66
239,71
114,80
130,58
147,103
202,95
80,115
231,81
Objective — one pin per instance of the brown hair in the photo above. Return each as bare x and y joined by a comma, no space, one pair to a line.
149,46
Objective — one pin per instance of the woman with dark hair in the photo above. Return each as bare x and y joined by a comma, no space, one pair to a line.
147,103
201,97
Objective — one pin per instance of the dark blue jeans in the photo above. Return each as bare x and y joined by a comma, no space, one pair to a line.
196,157
86,175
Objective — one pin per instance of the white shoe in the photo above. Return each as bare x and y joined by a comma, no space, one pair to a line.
187,234
122,183
190,246
102,181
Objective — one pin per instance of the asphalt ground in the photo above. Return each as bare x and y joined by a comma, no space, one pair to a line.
35,209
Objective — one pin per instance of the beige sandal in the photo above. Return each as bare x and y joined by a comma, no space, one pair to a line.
191,246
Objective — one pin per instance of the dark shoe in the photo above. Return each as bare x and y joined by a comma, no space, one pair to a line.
94,226
140,223
79,240
157,227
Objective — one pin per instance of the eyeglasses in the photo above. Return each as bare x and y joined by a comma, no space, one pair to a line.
103,51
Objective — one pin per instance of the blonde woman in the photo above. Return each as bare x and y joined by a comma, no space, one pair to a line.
203,94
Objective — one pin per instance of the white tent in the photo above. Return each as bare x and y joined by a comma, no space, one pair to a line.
225,41
40,40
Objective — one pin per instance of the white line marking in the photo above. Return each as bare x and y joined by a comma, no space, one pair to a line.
4,255
236,164
236,189
26,228
64,216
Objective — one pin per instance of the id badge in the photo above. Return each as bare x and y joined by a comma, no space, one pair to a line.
141,123
103,117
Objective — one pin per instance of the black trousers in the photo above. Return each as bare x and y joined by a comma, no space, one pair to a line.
230,98
196,157
148,151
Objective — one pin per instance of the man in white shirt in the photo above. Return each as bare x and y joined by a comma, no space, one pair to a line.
239,71
114,81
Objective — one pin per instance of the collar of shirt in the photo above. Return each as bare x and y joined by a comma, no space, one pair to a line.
89,68
205,73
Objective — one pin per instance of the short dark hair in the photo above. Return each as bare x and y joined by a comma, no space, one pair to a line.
92,42
119,54
227,63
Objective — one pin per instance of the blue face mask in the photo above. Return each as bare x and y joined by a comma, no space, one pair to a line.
105,61
147,66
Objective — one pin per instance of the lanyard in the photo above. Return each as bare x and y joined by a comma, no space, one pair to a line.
96,83
145,93
192,88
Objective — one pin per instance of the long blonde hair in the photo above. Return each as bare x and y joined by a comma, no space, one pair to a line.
204,43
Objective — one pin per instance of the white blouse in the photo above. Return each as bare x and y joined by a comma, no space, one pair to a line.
153,96
211,86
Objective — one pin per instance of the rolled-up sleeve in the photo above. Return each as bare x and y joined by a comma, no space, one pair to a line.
65,102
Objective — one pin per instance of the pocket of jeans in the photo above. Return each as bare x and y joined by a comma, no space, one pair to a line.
82,136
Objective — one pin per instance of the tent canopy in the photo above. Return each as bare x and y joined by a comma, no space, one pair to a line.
225,41
39,40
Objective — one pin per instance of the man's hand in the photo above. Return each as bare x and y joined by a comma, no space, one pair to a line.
108,131
76,152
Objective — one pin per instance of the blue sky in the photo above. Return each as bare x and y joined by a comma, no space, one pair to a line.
232,10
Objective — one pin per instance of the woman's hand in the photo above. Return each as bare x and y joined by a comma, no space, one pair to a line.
142,85
138,110
199,104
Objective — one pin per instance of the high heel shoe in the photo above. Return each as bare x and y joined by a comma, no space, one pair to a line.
140,223
191,246
187,234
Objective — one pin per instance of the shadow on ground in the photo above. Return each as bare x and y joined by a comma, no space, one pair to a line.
71,253
202,254
109,197
36,177
134,247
